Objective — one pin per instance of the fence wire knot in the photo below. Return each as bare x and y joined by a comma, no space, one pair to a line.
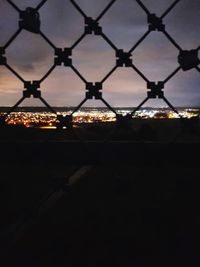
93,90
188,59
32,89
30,20
123,58
92,26
63,56
3,60
155,23
155,90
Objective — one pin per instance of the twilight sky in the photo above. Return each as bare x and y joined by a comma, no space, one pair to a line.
124,24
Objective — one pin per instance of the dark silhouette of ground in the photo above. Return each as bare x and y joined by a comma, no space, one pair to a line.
119,216
138,205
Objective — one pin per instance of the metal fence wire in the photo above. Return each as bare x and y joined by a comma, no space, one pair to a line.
30,20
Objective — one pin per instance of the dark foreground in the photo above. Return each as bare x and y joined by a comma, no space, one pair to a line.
121,203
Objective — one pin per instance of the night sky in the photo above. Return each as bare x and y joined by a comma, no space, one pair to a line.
124,24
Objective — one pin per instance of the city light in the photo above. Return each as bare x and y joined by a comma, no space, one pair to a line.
48,120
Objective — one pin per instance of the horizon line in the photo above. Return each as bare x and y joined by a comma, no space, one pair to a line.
99,107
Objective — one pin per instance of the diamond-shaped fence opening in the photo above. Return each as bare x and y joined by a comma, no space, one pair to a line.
124,24
158,7
156,57
124,89
30,61
185,31
22,4
62,96
91,7
10,15
94,62
68,26
179,89
89,58
10,88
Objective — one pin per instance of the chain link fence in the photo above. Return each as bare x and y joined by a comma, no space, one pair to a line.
30,20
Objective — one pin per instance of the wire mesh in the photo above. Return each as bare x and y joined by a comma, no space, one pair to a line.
30,20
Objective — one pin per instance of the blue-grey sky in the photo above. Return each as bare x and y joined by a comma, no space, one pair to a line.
124,24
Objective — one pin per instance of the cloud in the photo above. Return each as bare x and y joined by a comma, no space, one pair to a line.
124,24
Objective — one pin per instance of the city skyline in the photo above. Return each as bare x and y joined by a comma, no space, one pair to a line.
43,119
124,24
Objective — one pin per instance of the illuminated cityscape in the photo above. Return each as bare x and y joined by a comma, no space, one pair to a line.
44,119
